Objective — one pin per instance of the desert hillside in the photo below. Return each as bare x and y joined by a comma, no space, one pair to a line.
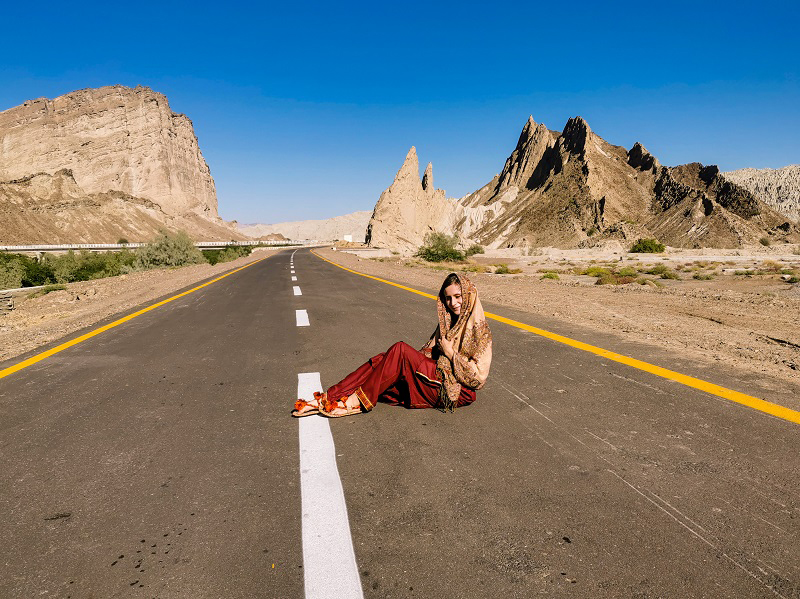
98,164
780,188
574,189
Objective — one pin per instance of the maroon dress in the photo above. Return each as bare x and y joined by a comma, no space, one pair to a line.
401,375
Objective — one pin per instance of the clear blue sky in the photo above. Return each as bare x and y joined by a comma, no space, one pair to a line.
307,109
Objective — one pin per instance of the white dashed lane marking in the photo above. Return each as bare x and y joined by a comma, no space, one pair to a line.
294,278
297,290
302,318
329,561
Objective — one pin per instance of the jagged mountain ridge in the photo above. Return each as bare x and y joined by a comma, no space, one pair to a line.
114,140
779,188
574,189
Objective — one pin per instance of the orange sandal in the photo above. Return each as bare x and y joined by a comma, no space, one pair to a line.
327,406
302,403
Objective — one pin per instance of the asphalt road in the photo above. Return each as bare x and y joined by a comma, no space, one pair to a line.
158,459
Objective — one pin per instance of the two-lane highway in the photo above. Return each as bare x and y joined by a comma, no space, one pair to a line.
158,459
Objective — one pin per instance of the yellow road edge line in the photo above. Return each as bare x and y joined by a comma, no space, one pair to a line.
59,348
741,398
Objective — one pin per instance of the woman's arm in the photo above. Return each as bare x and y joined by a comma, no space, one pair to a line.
427,349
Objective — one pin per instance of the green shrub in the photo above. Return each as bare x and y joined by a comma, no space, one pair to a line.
702,277
503,269
168,249
550,275
669,274
627,271
793,279
472,267
614,279
474,249
658,269
591,231
122,241
84,266
596,271
11,273
647,246
226,254
439,247
765,241
34,272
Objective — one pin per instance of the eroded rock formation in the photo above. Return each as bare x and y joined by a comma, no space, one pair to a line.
45,208
409,209
779,188
113,140
575,189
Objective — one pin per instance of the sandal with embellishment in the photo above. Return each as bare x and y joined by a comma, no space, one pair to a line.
299,412
327,406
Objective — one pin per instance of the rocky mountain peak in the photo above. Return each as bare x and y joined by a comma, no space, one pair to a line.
640,158
574,190
427,178
534,140
575,135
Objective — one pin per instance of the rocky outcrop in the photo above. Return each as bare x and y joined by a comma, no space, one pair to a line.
45,208
113,140
409,209
778,188
330,229
575,189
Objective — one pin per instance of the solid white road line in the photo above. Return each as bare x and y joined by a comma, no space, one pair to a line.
297,290
302,318
294,278
329,561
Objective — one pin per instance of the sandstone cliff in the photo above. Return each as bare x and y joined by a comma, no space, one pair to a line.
330,229
409,209
114,140
575,189
779,188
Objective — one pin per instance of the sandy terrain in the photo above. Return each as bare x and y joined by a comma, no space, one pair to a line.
40,320
747,322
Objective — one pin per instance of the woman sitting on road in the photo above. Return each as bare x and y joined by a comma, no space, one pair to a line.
445,374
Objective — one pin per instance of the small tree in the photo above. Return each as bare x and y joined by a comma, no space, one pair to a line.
474,249
647,246
439,247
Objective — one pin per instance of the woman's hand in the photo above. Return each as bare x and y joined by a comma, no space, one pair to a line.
446,347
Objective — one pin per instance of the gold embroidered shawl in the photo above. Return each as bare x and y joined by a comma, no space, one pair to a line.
472,344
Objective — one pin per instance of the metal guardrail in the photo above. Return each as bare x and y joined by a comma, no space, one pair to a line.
121,246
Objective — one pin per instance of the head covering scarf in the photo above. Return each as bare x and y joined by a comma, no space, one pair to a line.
472,344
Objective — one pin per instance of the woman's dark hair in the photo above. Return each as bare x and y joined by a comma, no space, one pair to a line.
451,279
